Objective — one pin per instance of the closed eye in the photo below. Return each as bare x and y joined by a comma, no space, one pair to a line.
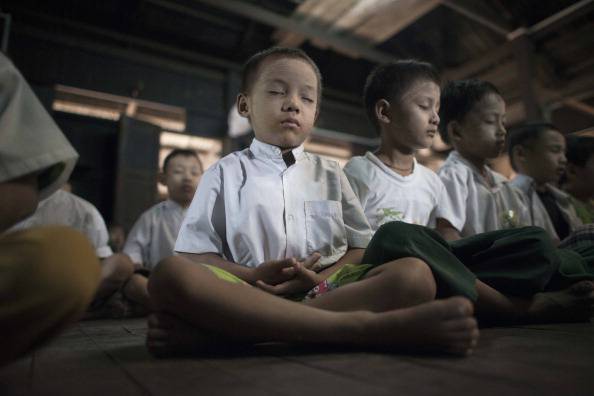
309,100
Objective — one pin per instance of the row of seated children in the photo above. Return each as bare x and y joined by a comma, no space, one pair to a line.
276,219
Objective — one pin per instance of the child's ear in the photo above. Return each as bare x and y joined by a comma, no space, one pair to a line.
162,178
454,131
518,153
382,108
242,105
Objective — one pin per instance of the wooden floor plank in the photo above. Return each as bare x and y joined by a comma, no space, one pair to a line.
109,358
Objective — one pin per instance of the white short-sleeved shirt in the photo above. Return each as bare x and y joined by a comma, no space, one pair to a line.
478,207
538,213
64,208
251,208
153,236
418,198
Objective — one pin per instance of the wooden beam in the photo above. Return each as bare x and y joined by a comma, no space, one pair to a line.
496,55
344,42
483,20
579,106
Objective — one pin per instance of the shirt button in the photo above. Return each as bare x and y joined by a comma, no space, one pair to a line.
290,217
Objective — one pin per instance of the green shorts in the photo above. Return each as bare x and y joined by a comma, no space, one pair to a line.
349,273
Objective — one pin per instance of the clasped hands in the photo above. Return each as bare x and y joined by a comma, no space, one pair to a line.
287,276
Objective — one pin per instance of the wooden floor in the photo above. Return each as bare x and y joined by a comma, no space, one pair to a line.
108,358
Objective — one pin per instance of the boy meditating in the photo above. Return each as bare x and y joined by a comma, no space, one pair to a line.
537,153
273,221
401,101
472,120
153,236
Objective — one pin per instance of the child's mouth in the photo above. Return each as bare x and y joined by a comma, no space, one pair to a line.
290,123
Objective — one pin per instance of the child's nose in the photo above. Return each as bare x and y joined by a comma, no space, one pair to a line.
291,103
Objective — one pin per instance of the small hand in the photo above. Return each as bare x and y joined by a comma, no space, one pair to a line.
275,271
304,278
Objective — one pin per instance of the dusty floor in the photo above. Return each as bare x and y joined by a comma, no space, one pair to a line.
108,358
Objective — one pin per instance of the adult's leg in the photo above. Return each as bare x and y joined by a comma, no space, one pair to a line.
208,305
47,279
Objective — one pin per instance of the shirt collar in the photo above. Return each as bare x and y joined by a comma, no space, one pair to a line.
264,150
375,160
524,182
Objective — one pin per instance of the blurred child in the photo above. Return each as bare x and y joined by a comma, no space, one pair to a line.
402,100
273,221
67,209
579,176
153,236
48,275
472,117
537,153
117,237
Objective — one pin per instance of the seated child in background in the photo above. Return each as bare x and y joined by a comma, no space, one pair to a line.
472,120
272,221
579,176
401,100
537,153
117,237
153,235
65,208
48,275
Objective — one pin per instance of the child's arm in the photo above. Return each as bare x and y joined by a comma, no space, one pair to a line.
447,230
271,272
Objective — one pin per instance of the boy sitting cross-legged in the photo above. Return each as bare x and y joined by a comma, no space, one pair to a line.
273,221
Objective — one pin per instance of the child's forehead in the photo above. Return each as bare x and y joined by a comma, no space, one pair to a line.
281,69
422,87
181,160
490,100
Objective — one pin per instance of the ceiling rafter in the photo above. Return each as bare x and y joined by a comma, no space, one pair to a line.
348,43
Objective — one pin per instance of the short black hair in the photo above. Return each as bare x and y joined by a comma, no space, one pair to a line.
458,98
390,80
579,149
251,68
524,135
182,153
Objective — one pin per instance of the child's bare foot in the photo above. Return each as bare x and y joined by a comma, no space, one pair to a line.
438,326
169,336
574,304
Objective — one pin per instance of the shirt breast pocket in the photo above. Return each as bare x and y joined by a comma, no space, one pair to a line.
325,230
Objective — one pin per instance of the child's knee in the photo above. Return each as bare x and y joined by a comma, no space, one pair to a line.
164,277
412,277
117,268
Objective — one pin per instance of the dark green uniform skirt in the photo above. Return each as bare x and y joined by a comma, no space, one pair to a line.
519,262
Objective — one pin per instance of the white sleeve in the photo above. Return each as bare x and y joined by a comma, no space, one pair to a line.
456,187
357,228
443,208
139,239
95,229
203,228
358,186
